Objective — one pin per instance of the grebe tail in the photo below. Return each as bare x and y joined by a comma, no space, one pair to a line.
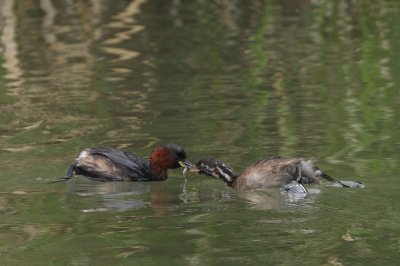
68,174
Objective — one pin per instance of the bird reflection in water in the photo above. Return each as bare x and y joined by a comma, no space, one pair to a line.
123,196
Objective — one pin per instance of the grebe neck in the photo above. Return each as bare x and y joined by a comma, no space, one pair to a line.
227,174
232,181
161,159
159,172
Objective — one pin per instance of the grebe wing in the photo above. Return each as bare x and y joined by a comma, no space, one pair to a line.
270,173
137,167
124,158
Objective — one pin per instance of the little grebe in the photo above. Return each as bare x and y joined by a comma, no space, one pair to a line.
108,164
263,174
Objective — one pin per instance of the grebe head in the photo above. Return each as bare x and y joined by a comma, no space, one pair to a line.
214,168
169,156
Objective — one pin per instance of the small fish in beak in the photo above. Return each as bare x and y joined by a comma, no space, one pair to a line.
188,167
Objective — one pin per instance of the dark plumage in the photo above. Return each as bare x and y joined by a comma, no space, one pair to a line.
108,164
263,174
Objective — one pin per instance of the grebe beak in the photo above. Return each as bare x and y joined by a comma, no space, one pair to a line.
185,164
188,166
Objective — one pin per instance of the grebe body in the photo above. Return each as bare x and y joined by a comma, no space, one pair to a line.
263,174
109,164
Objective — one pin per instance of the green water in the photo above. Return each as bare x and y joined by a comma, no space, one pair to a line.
235,80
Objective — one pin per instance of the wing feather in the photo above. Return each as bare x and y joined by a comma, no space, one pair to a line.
136,167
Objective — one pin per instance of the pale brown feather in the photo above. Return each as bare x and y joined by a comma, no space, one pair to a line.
274,173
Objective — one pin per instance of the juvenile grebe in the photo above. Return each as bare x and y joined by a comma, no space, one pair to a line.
263,174
108,164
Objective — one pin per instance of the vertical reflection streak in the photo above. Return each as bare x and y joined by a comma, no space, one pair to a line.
10,53
125,19
48,20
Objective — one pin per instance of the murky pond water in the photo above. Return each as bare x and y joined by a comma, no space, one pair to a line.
235,80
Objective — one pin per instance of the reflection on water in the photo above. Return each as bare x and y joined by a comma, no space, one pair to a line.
111,196
58,71
10,51
125,22
235,80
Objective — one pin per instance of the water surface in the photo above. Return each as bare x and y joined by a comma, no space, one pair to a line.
234,80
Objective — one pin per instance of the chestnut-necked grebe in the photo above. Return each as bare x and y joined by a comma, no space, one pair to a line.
108,164
263,174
